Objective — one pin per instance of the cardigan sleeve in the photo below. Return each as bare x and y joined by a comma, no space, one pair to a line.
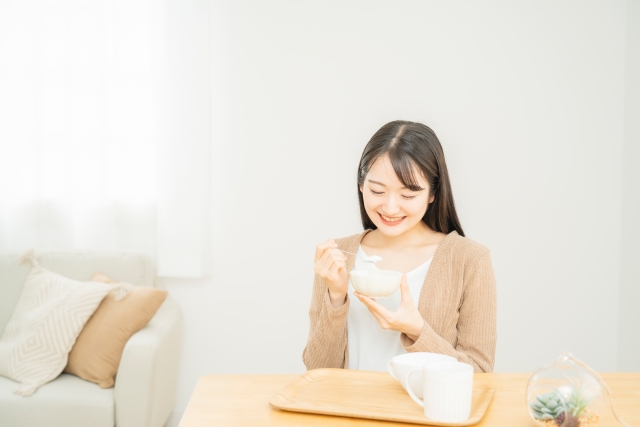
327,341
476,328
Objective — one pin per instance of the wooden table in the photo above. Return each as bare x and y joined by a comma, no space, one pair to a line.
242,400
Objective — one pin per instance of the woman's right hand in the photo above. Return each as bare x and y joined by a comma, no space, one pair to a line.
331,265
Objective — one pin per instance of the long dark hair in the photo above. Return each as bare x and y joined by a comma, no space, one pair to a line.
413,145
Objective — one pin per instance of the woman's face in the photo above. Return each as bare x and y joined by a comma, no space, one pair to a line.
391,206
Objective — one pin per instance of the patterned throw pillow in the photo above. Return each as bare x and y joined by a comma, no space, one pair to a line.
49,316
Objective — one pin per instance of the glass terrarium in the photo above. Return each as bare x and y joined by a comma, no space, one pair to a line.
565,394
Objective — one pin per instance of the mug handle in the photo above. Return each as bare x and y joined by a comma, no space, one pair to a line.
391,370
410,391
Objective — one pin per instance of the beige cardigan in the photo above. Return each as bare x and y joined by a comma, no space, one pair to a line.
457,302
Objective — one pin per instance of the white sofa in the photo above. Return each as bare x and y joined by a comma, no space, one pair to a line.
145,387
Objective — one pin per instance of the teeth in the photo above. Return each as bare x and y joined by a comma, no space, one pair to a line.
390,219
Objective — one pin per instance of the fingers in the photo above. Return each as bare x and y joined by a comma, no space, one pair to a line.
369,303
333,271
322,247
329,258
381,321
405,295
329,265
378,311
405,319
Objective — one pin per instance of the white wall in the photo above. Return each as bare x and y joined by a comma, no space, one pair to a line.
527,99
629,338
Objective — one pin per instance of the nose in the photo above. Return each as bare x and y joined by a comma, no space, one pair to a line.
391,206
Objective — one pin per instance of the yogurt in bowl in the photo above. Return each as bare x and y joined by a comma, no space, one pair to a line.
375,283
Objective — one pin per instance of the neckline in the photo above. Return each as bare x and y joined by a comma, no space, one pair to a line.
353,244
428,261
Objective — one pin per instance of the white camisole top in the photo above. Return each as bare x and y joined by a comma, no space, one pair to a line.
370,346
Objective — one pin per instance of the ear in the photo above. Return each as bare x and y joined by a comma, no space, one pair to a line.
431,198
361,188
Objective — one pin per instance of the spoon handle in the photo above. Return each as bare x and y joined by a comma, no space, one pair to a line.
370,259
346,252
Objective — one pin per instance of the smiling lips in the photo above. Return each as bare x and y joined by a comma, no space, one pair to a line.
391,221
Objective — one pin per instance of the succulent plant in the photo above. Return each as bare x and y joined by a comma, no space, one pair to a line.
572,421
547,406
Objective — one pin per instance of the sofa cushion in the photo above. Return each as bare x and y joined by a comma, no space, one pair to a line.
97,352
129,267
67,401
51,312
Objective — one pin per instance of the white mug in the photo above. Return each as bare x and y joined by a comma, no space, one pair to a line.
400,366
447,390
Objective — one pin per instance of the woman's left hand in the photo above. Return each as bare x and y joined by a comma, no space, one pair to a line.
406,318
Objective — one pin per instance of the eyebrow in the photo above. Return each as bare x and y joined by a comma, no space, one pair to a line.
379,183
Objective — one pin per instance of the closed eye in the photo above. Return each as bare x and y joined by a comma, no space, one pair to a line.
377,193
409,197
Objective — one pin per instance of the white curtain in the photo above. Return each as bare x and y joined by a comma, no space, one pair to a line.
104,128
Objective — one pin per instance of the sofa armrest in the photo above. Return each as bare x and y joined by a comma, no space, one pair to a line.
145,387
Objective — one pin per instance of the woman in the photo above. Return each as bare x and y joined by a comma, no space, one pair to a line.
447,298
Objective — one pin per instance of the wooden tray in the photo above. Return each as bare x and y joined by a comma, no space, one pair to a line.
365,394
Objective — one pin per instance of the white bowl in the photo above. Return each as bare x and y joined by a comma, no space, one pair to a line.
375,283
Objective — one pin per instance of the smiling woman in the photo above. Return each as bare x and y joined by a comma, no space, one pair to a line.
447,298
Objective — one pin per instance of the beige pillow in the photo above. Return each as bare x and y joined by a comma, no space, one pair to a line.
97,352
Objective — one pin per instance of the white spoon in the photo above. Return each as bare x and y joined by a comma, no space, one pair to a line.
371,259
